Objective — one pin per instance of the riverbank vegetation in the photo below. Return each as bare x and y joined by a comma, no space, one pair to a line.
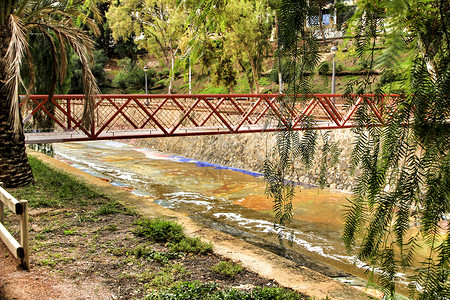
81,235
227,53
398,217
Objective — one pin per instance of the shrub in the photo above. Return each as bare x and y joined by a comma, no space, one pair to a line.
191,245
276,293
167,276
186,291
159,230
227,269
324,68
98,69
131,77
108,209
196,290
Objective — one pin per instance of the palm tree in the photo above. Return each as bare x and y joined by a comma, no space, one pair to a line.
57,22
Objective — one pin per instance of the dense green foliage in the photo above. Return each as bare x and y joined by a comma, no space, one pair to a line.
298,54
401,204
210,291
233,38
398,218
53,188
169,231
159,230
98,70
227,269
44,75
159,26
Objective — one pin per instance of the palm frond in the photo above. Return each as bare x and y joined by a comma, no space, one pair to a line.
83,47
16,49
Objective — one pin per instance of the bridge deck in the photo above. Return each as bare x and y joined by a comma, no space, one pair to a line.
144,116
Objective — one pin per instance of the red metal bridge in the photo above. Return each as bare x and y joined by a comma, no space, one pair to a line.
144,116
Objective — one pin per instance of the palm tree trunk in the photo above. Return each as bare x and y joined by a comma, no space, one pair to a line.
14,167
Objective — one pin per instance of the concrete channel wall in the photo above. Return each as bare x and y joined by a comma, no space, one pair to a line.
248,151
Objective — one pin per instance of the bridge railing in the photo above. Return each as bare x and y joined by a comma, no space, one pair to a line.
128,116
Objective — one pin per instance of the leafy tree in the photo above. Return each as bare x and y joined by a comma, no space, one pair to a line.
98,70
243,28
401,203
248,27
131,76
45,78
57,23
157,25
398,216
224,73
298,54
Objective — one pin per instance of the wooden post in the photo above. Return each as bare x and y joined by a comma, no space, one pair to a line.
2,209
24,240
10,242
20,208
2,213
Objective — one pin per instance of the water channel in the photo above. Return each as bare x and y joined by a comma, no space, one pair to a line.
227,199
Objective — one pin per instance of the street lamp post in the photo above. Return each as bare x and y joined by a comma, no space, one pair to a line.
333,49
146,89
190,76
145,71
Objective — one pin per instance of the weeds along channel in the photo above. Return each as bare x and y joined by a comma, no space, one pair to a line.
79,234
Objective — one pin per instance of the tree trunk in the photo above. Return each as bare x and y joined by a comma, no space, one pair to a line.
14,167
255,76
321,25
172,73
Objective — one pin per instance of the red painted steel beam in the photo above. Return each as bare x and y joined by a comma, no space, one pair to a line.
232,110
186,114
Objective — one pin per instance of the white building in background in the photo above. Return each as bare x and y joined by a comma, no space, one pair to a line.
332,19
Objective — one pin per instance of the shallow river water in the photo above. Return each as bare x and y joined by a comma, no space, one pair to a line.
226,199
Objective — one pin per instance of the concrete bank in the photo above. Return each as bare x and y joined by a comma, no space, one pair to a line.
265,263
248,152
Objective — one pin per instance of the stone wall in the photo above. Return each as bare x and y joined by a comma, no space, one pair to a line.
248,151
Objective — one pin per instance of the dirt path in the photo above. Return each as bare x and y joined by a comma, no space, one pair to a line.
40,283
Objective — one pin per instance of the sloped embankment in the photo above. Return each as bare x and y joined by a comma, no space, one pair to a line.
248,151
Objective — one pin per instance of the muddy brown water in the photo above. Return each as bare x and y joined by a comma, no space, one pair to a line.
226,199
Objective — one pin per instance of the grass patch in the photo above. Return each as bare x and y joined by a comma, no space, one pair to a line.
53,188
159,230
168,231
196,291
111,227
146,252
69,232
242,85
191,245
168,276
53,259
108,209
214,90
227,269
